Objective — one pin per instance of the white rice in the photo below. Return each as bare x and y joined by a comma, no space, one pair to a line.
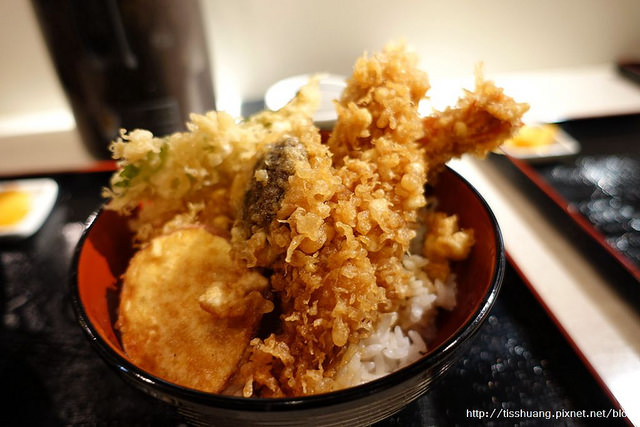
400,337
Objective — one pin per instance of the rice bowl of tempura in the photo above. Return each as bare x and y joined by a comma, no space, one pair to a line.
263,266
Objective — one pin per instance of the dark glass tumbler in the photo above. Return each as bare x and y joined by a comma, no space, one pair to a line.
128,64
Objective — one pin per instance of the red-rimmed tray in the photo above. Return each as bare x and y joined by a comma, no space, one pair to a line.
598,187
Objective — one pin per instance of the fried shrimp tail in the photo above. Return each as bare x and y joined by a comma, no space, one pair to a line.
479,123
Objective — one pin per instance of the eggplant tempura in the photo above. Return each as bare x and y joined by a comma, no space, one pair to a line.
321,231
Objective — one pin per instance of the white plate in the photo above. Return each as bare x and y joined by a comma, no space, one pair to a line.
330,85
562,145
42,193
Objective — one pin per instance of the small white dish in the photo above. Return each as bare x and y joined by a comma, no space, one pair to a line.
41,195
562,145
330,85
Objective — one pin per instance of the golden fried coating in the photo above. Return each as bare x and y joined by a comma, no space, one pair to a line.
164,329
444,241
379,103
480,122
322,229
347,225
196,177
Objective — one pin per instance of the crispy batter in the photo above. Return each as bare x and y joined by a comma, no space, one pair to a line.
164,329
445,241
346,240
197,177
329,225
480,122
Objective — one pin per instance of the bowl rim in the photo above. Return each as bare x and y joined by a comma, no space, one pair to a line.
338,397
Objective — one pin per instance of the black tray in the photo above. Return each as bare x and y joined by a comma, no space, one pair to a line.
598,188
50,375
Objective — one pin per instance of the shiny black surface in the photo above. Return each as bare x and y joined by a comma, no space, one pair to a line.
50,375
602,182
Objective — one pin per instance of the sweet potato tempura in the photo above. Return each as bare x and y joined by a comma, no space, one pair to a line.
164,328
328,223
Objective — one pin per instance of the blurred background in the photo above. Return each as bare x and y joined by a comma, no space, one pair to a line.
253,43
531,47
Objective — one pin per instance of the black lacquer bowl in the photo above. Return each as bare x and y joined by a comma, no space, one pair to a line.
105,249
